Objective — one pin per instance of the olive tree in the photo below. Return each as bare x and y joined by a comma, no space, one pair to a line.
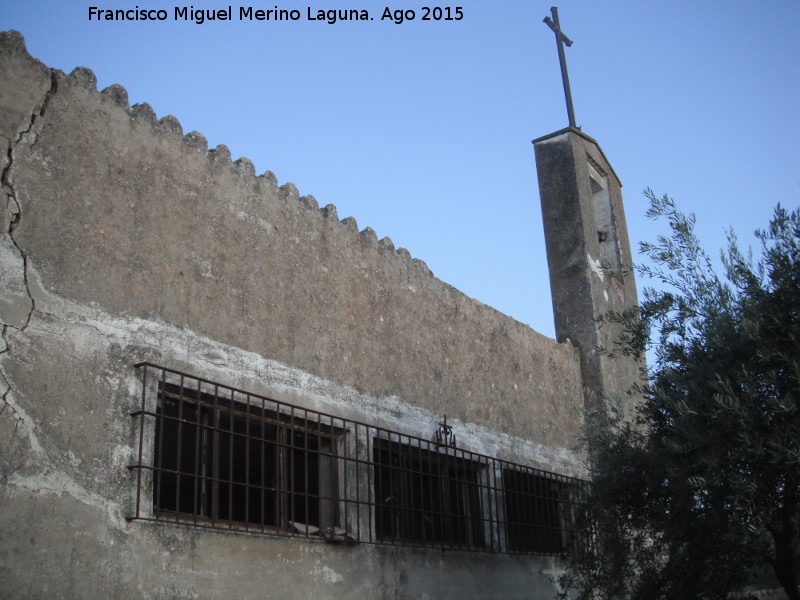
701,492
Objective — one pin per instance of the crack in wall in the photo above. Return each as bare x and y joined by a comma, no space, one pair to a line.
14,208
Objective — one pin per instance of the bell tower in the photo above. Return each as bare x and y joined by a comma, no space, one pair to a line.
588,254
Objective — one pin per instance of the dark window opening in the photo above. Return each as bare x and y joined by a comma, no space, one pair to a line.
426,496
223,460
536,506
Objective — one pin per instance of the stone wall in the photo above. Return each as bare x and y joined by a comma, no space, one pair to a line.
125,240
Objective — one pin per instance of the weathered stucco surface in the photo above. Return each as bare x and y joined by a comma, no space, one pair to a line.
124,240
589,258
67,443
123,211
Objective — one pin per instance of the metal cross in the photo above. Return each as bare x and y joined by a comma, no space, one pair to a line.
560,37
444,435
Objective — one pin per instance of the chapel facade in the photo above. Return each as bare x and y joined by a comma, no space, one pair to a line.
215,388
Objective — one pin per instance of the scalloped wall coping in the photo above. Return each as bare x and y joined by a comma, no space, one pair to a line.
117,93
195,139
220,155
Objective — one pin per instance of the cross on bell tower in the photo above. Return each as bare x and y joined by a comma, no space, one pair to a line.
562,40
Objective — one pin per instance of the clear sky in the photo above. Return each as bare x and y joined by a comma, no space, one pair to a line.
422,129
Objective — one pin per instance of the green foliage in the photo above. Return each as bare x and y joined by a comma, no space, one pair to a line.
702,492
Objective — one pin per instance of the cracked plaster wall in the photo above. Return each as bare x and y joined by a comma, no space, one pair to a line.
124,240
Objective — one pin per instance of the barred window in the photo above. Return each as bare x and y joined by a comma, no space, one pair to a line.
426,496
536,505
215,456
227,461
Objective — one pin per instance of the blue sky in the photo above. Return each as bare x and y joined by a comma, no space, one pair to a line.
422,130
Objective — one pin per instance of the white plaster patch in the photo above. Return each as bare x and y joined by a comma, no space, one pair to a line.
121,456
25,422
326,574
555,575
553,140
73,460
58,483
216,357
596,266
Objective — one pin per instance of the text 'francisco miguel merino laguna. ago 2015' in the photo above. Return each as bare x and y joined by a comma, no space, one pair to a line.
249,13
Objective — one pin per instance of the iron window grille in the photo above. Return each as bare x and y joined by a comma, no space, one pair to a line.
211,455
538,511
220,459
424,496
